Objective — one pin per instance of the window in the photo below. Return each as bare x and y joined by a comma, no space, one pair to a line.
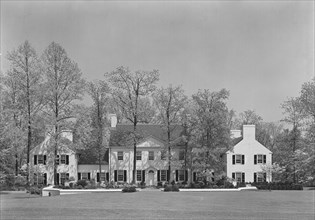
163,175
120,155
101,177
239,176
40,159
139,155
64,159
238,159
151,155
163,155
139,175
259,177
181,155
120,175
39,178
84,176
181,175
57,159
259,159
63,178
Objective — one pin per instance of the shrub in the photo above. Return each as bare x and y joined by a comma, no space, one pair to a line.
129,189
79,187
82,183
35,190
278,186
171,188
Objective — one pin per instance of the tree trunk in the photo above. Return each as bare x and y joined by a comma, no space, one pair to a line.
134,152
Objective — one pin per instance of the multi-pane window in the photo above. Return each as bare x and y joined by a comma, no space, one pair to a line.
181,155
151,155
163,174
39,178
238,159
40,159
102,176
139,175
63,178
181,175
259,177
139,155
260,158
238,176
120,155
84,176
63,159
163,155
120,175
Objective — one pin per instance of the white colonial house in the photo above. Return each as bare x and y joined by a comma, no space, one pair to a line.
244,162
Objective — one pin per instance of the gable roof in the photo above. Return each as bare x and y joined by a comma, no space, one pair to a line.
122,134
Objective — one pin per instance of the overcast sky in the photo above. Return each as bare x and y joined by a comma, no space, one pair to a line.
262,52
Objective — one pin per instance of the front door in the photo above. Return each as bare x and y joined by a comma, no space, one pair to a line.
151,178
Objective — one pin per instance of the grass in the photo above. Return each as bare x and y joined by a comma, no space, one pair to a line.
161,205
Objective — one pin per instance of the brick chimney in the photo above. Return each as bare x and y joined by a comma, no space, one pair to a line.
249,132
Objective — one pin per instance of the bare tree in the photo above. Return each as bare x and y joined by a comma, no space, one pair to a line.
170,102
129,90
64,85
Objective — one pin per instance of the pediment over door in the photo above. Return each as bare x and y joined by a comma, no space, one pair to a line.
150,142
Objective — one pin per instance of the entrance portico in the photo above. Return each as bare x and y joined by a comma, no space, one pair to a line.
151,174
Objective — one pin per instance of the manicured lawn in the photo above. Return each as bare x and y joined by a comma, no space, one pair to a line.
161,205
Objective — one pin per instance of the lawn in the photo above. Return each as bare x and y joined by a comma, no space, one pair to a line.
162,205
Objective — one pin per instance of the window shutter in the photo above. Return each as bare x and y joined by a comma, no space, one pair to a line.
106,156
115,175
125,175
264,158
265,177
89,176
168,175
107,176
255,159
44,159
255,177
186,175
79,176
243,177
67,159
243,159
194,176
158,175
57,178
67,176
57,160
98,177
143,175
233,175
176,175
45,178
233,159
35,159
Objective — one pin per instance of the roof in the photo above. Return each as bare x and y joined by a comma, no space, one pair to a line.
91,158
122,135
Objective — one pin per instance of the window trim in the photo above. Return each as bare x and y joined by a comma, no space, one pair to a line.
120,173
151,155
120,155
138,155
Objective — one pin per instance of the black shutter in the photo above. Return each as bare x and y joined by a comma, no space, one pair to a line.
35,159
67,159
57,177
57,160
106,156
115,175
45,178
194,176
243,177
233,175
125,175
243,159
264,158
143,175
107,176
186,175
255,177
79,176
255,159
45,159
265,177
98,177
89,176
67,176
168,175
158,175
233,159
176,175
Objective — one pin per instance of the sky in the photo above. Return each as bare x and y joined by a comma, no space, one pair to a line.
261,51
